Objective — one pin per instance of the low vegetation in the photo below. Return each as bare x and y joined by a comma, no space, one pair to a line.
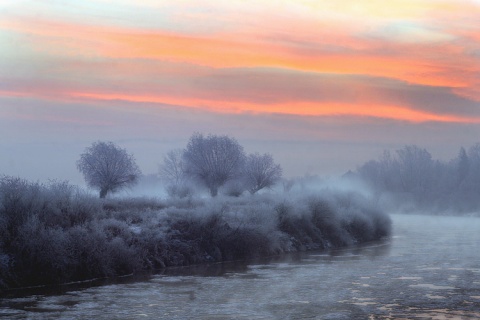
56,233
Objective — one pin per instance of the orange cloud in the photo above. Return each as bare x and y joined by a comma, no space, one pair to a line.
232,51
300,108
414,63
303,43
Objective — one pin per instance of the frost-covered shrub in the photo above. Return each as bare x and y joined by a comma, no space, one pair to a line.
303,234
357,216
327,219
84,208
113,228
234,188
65,205
153,247
180,191
132,204
5,270
3,229
56,233
88,248
18,200
41,254
97,255
245,243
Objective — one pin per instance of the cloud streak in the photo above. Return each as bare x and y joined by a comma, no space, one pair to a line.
420,51
252,90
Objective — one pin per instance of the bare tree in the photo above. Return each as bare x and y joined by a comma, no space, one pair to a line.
172,171
107,167
173,168
213,160
261,172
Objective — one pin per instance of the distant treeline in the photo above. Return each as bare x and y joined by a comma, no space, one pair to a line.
409,179
57,233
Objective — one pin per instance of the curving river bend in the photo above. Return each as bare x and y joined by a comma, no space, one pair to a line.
429,269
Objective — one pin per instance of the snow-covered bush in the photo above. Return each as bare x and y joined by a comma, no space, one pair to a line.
56,233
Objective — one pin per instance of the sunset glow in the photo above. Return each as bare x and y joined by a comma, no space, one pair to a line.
406,61
417,50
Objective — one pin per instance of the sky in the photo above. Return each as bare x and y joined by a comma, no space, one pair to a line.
321,85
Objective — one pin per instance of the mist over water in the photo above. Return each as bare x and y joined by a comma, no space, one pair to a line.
430,268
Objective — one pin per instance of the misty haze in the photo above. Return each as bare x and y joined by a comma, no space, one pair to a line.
226,226
240,159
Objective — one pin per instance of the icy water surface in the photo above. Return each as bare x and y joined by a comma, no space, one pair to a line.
430,269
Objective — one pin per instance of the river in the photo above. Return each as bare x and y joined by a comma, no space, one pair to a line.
429,269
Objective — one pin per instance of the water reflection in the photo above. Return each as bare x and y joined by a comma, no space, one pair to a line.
226,269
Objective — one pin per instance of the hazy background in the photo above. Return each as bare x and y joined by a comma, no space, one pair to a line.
322,85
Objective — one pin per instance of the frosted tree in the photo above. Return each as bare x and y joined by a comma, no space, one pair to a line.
473,176
107,167
173,168
261,172
462,165
213,160
415,166
172,171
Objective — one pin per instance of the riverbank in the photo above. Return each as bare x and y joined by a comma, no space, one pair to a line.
56,233
428,268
